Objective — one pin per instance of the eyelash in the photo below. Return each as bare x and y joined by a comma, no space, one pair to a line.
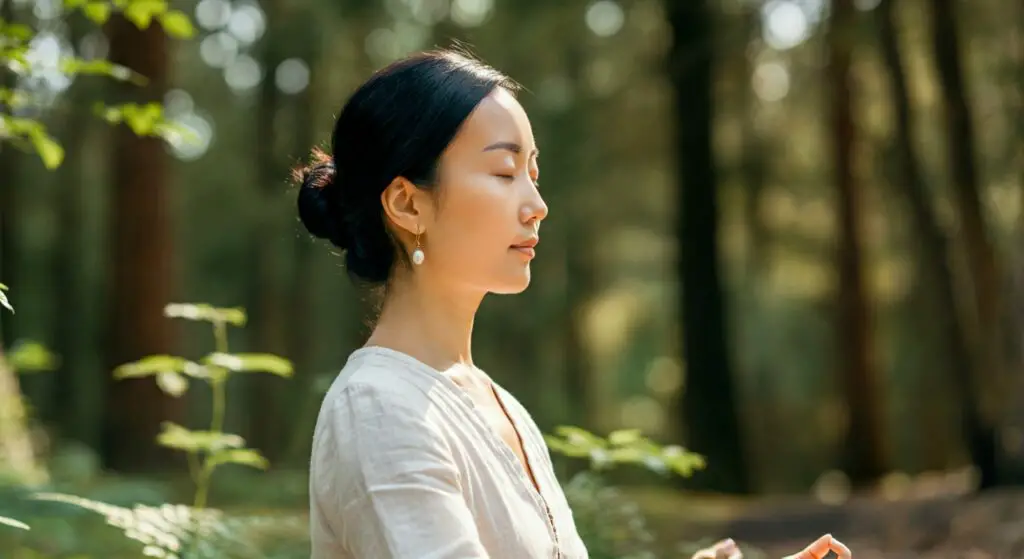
536,183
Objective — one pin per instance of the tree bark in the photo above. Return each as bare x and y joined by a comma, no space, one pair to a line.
865,453
708,404
981,256
935,254
266,428
142,274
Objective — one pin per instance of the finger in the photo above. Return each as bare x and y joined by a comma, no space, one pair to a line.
841,550
817,550
724,549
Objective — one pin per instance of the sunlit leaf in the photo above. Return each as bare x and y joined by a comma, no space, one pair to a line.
48,149
142,12
625,437
101,67
13,523
72,4
3,298
576,435
15,31
251,363
13,98
177,437
28,356
154,364
98,12
172,383
202,311
177,24
243,456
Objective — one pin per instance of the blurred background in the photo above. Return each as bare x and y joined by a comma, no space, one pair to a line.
784,234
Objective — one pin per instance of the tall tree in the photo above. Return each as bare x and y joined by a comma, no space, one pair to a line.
266,298
977,243
935,255
865,453
142,272
708,404
65,260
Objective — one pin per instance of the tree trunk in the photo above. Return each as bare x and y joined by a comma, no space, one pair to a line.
865,452
981,257
756,154
708,404
66,261
266,428
935,254
142,274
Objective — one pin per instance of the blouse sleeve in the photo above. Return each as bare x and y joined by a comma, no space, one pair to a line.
398,482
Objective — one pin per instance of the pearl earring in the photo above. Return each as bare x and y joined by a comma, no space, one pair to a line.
417,253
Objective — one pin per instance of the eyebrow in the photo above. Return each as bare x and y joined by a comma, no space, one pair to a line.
510,146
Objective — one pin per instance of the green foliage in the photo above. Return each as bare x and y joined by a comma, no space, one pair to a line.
29,134
4,302
13,523
140,12
627,446
31,357
210,448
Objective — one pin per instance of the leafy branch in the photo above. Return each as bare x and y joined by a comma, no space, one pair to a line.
210,448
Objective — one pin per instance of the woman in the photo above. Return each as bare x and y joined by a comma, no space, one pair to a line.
431,192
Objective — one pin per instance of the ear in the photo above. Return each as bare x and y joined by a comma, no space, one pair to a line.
408,207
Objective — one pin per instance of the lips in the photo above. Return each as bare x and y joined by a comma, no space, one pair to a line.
526,247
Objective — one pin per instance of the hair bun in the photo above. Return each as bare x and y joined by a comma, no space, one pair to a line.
317,201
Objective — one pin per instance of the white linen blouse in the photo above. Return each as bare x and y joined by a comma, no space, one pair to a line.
404,466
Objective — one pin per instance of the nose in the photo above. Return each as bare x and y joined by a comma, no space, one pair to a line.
535,209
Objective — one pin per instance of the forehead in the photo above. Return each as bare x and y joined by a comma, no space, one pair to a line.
499,117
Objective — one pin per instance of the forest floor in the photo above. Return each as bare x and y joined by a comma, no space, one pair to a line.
985,526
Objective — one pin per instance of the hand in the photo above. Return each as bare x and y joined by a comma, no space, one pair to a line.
820,548
725,549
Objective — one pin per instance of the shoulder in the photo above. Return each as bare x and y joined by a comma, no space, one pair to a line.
375,387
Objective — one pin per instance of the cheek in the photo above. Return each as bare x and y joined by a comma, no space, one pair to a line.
478,217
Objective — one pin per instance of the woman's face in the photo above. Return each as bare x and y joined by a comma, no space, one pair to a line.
479,230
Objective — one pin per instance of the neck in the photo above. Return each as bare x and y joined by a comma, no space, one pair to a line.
428,322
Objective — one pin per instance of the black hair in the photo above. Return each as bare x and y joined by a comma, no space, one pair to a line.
397,124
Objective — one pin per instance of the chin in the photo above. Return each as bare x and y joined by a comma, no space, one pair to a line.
513,286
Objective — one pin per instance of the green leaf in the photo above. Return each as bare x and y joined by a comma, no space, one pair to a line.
13,523
202,311
15,31
177,24
624,437
72,4
155,364
48,149
578,436
32,357
251,363
3,298
98,12
101,67
172,383
13,98
177,437
243,456
142,12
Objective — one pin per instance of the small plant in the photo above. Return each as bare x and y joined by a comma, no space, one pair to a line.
3,298
610,524
210,448
627,446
